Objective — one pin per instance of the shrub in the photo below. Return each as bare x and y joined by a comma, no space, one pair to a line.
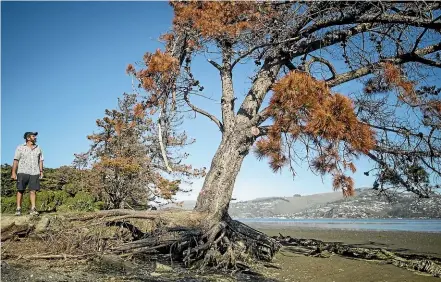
54,201
50,200
81,202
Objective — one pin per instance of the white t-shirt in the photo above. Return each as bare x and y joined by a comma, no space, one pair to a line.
28,159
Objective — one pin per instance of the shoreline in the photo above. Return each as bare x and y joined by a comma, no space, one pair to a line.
425,243
388,225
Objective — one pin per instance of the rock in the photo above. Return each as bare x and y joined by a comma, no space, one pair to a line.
115,263
5,267
325,254
42,225
163,268
155,274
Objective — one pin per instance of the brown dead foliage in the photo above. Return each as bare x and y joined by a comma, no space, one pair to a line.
305,107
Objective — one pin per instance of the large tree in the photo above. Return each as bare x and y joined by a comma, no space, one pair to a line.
301,52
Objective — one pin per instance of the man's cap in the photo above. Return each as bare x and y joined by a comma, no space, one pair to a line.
29,133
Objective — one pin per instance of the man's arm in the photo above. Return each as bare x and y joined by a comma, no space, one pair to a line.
15,164
14,169
41,164
41,168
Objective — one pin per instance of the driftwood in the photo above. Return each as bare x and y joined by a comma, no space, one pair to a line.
312,247
62,256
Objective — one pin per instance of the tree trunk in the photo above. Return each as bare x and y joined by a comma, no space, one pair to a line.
217,190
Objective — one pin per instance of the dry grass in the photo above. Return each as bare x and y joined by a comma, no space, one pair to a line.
77,235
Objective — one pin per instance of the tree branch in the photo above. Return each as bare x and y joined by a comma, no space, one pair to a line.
345,17
263,130
323,61
362,15
260,87
251,50
418,40
426,61
260,117
400,179
202,112
328,39
395,151
400,19
401,59
216,65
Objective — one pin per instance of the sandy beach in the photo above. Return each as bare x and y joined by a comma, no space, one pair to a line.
295,267
428,243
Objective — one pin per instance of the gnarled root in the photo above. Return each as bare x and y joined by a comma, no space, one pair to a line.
191,237
228,244
319,248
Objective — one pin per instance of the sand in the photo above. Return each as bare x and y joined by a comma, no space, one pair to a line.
296,267
402,241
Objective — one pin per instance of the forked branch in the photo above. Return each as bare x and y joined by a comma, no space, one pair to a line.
202,112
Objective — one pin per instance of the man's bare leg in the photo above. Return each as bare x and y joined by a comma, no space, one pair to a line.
19,199
33,197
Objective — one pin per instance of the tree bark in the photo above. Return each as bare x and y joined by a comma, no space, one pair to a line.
217,190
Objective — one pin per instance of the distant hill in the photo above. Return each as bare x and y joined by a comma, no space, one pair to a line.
365,204
271,206
274,207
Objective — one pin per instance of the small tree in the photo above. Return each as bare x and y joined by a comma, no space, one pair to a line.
128,158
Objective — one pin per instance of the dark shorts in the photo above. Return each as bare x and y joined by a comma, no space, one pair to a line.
30,181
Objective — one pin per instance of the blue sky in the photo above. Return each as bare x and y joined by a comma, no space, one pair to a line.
63,63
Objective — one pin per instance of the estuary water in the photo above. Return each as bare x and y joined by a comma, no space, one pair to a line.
416,225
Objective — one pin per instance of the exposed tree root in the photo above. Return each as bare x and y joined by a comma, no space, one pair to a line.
314,247
186,236
135,231
227,244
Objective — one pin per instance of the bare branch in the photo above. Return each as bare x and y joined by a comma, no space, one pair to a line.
261,85
401,59
216,65
260,117
343,18
426,61
329,39
251,50
372,17
399,178
323,61
418,40
202,112
395,151
400,19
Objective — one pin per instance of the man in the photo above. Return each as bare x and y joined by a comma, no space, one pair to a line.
27,169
